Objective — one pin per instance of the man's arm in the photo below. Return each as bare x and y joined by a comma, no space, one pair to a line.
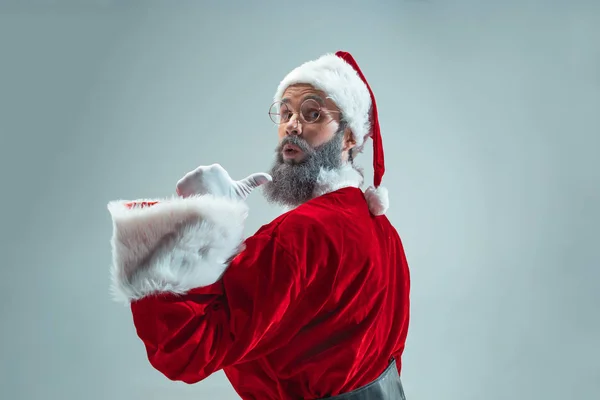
193,318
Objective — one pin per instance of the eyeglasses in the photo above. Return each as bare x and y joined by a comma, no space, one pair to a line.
310,112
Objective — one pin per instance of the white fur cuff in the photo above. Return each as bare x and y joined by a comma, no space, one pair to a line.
173,246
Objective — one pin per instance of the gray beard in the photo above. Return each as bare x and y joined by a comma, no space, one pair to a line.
294,182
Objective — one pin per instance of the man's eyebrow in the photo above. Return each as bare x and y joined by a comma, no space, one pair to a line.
315,97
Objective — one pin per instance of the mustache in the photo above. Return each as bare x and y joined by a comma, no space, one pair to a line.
296,141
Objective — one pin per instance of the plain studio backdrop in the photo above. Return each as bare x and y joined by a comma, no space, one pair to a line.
490,120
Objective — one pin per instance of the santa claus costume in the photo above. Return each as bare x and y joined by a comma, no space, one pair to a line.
314,305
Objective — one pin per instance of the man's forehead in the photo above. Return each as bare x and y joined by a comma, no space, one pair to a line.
301,92
316,97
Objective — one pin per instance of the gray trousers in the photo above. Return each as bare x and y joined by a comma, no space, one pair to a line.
386,387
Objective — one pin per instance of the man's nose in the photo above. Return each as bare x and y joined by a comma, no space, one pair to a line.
293,126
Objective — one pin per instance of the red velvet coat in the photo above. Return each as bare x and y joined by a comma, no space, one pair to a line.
316,303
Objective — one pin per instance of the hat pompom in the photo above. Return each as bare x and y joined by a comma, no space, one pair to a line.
378,200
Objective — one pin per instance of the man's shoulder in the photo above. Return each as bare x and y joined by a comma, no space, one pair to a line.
291,232
304,217
324,215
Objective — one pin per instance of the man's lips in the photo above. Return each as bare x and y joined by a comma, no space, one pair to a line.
291,150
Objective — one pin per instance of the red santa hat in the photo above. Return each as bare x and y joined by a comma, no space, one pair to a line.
339,76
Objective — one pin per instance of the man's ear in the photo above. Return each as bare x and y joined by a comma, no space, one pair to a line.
349,141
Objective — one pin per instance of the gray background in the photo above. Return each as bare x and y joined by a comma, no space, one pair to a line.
490,119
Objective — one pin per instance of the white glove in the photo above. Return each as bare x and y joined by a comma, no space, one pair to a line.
214,180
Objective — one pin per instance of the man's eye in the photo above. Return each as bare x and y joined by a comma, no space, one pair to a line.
311,115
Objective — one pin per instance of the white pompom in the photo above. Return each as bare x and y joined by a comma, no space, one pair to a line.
378,200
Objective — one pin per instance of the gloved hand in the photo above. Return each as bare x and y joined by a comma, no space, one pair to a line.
214,180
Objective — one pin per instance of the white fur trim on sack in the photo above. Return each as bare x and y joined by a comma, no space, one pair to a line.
174,246
342,84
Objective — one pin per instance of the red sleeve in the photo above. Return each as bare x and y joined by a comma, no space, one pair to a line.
190,336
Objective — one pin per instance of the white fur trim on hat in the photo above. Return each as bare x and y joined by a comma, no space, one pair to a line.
343,86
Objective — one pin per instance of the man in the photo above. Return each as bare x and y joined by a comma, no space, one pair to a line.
315,304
